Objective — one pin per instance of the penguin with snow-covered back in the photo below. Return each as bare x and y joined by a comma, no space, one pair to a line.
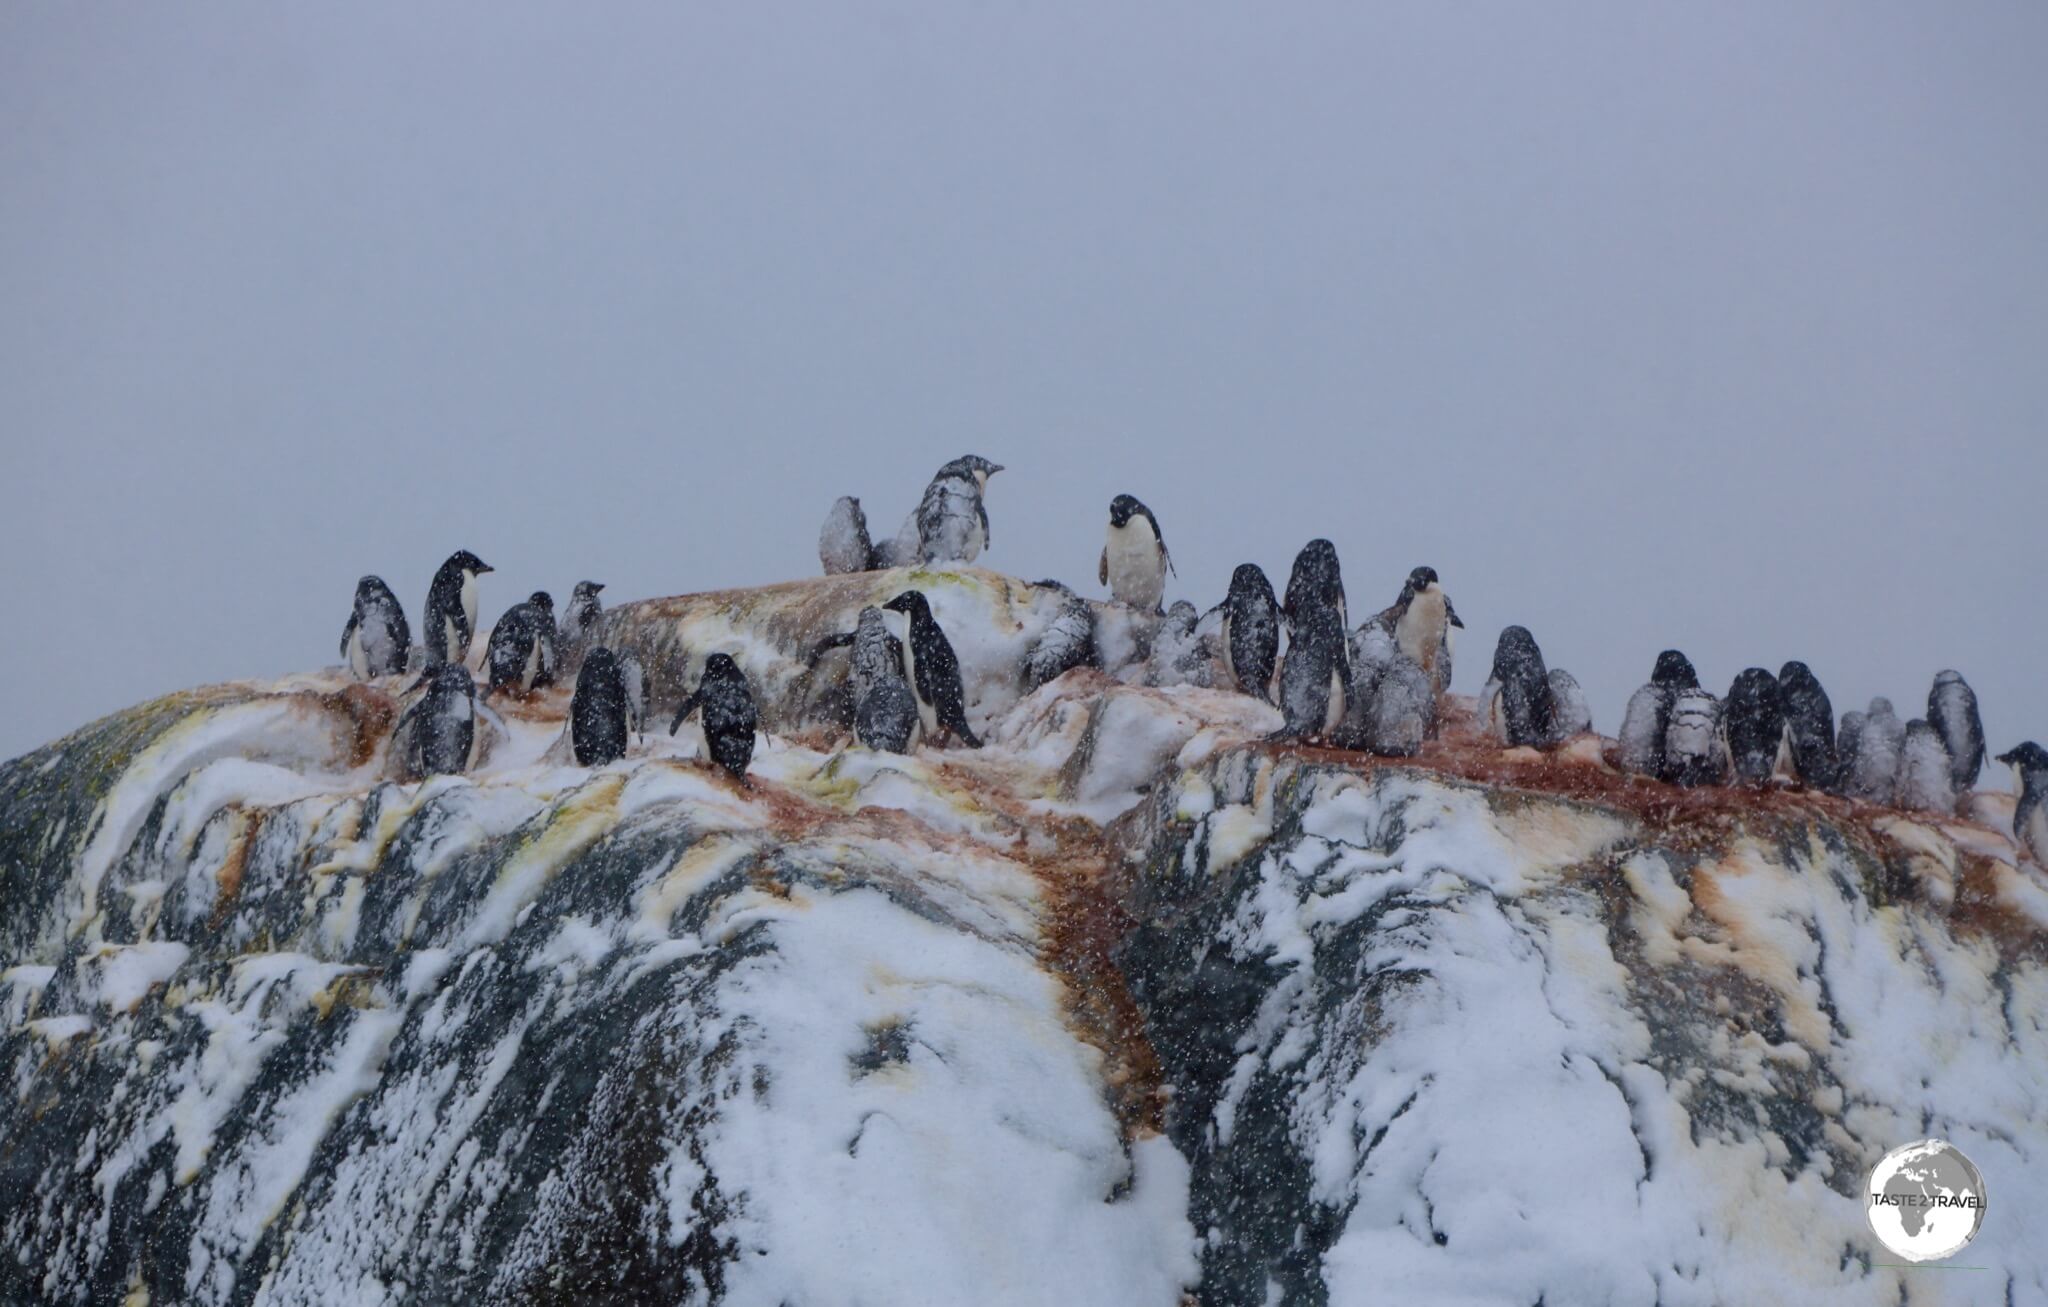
1696,741
1952,712
1926,780
1316,584
438,733
1755,715
580,625
1067,642
1809,726
599,710
726,702
952,518
1648,717
1315,675
521,653
449,621
1251,631
1134,557
1873,766
1521,709
377,638
934,671
843,544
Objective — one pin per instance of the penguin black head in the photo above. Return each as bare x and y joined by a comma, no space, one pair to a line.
371,587
2027,758
542,600
1795,671
1249,582
1674,672
585,589
1316,574
1419,580
1516,657
912,604
450,678
720,668
600,661
1125,507
464,561
971,465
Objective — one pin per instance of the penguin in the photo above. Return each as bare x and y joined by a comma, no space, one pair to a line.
634,677
843,544
1315,676
952,520
517,651
1251,631
1809,726
934,671
1755,717
1398,708
1573,714
1421,620
580,622
1067,642
546,636
450,616
377,638
1648,717
1926,781
885,716
729,714
2029,763
437,735
1180,656
1316,583
1134,558
1847,742
1874,772
599,710
1695,743
1952,711
1526,711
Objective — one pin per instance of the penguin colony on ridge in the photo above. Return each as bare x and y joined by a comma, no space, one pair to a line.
1376,688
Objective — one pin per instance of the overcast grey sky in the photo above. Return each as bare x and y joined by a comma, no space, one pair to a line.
1723,326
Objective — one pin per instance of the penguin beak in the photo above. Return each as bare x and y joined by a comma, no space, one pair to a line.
481,568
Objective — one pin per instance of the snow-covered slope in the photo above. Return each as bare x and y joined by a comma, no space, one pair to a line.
1128,1007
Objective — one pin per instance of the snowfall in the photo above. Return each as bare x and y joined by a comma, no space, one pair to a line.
1131,1006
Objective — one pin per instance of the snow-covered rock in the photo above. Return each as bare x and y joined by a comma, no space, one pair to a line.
1127,1007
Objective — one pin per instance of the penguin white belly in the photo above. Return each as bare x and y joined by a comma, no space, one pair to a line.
1137,570
927,715
2031,826
358,657
1229,661
1333,711
531,671
1420,632
468,601
452,639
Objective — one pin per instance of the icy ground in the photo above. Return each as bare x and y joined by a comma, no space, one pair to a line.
1128,1007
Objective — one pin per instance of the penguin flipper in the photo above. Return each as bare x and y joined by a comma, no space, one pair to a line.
982,509
354,620
1167,558
837,640
1102,568
1451,614
689,706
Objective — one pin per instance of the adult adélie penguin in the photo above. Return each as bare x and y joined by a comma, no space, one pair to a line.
600,710
449,621
934,671
730,718
2029,763
1134,557
1251,631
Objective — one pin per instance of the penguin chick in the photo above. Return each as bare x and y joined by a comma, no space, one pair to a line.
1847,741
1755,718
600,710
1642,730
1573,715
1317,583
449,620
1952,711
1695,744
1399,709
1134,558
1874,772
1527,712
1926,781
843,544
730,718
1809,726
1251,632
437,735
1067,642
934,671
634,677
517,651
580,623
376,640
1180,655
884,708
2029,763
952,519
1315,676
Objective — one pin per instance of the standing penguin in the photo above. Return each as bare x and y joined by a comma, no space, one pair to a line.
580,624
546,635
1134,558
729,714
599,710
1648,718
2029,763
1695,744
843,544
1067,642
1521,708
1874,771
634,677
1421,621
1847,742
885,715
1398,711
437,735
1755,716
377,638
1926,781
1251,631
1809,726
450,618
517,654
1952,711
952,520
1315,676
1316,583
934,671
1574,716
